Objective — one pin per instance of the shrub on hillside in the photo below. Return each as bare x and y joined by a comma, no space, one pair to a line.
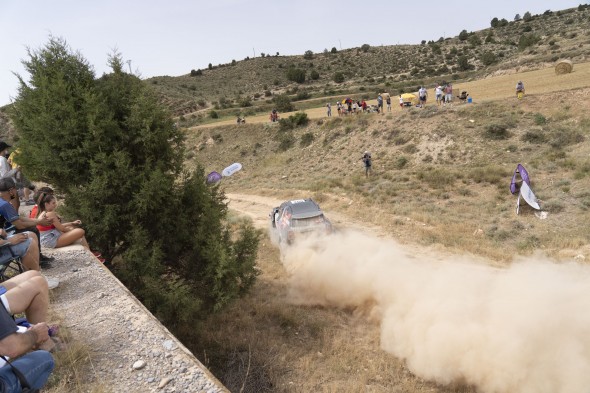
245,102
539,119
536,137
488,58
527,40
286,141
436,178
306,139
314,75
565,136
282,103
308,55
296,120
338,77
496,131
474,40
463,35
303,95
296,75
463,63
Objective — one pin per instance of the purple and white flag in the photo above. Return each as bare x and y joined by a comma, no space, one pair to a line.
524,175
213,177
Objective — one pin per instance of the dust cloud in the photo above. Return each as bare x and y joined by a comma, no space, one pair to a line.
522,329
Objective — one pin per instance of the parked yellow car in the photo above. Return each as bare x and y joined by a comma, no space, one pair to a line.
410,99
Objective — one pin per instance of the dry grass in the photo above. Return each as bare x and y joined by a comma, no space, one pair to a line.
73,366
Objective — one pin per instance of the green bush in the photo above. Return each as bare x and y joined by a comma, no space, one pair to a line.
282,103
306,139
463,63
303,95
118,159
213,114
308,55
527,40
488,58
401,162
296,75
314,75
338,77
286,141
246,102
539,119
297,120
474,40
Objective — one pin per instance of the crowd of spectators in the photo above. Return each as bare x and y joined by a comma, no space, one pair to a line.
26,343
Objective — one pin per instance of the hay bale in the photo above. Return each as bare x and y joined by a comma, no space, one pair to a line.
564,67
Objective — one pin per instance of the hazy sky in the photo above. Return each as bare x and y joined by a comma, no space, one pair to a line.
173,37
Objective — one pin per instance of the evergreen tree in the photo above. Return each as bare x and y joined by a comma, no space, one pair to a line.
114,151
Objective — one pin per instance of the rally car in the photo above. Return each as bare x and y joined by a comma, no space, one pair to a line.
297,218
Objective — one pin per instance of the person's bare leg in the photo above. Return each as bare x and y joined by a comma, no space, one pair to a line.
83,242
30,296
31,257
69,238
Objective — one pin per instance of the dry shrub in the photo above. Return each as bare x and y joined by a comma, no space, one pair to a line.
489,174
437,178
497,131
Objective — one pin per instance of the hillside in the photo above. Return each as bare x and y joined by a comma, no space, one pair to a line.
247,86
440,186
441,176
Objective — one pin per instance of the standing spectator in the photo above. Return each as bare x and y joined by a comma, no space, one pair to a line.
5,168
354,107
349,104
367,161
23,184
380,104
401,102
438,93
329,109
339,108
448,93
388,101
423,95
364,105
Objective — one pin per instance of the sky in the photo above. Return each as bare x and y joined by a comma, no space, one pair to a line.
173,37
